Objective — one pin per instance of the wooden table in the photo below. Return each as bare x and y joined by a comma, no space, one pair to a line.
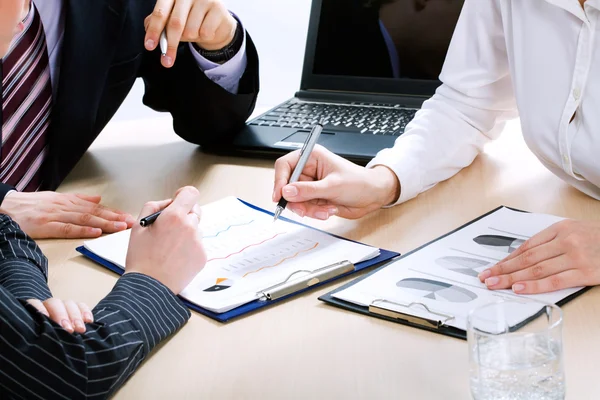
304,349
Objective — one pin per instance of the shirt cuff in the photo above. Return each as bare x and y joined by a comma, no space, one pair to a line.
228,74
402,160
151,307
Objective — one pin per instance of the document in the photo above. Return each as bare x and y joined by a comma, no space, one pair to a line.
439,281
247,253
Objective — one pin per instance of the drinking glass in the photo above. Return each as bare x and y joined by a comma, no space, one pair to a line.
512,362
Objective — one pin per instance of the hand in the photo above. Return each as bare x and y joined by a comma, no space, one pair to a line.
331,185
204,22
45,215
170,250
562,256
68,314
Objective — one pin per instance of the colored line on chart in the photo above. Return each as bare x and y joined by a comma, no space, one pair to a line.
281,261
247,247
225,230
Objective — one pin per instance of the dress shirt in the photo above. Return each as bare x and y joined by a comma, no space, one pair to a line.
40,360
509,58
52,13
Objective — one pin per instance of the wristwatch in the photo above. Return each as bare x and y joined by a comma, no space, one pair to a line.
226,53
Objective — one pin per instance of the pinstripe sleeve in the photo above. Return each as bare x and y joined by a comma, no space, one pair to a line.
23,266
38,359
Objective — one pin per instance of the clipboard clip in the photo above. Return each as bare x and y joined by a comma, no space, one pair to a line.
376,307
289,285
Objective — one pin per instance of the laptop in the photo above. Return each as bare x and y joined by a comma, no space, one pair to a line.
369,66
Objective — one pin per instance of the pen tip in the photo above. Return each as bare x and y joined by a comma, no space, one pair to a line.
277,214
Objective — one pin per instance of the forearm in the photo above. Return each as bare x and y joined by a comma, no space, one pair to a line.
23,266
40,359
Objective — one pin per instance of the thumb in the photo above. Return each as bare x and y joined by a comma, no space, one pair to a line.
299,192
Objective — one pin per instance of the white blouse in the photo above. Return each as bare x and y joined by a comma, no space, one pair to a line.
534,59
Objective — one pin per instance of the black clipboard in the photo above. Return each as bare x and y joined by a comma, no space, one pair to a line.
428,324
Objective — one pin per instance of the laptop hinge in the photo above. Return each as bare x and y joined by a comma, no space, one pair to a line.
350,97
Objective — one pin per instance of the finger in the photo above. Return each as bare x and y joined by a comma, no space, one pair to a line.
544,236
193,219
88,317
191,32
58,313
84,206
526,259
185,200
39,306
313,210
175,25
90,220
158,21
562,280
284,166
68,231
152,207
299,192
75,316
538,271
211,23
93,199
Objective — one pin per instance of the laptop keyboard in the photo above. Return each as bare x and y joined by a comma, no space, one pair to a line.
363,118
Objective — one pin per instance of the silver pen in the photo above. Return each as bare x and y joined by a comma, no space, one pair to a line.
164,45
305,153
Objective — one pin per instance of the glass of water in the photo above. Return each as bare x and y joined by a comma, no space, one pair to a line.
509,362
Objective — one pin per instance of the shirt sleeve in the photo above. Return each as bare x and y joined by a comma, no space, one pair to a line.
228,74
39,359
23,266
467,111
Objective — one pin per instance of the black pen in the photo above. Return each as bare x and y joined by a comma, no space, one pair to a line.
307,149
149,219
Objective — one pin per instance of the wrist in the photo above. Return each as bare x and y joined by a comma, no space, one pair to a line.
385,184
225,50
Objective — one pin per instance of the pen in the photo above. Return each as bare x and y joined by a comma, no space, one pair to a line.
163,42
307,149
149,219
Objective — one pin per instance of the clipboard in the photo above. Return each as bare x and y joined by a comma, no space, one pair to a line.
400,313
276,293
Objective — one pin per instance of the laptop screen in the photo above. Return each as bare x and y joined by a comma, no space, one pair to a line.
394,46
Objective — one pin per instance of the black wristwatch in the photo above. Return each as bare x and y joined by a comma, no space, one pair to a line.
226,53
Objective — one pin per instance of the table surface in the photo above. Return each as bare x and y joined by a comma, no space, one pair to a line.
303,348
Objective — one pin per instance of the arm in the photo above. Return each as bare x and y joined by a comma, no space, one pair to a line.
466,112
39,358
23,266
203,112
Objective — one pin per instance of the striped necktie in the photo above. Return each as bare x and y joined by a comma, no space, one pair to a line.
26,106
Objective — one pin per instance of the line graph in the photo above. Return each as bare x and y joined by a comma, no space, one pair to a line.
246,248
226,229
282,260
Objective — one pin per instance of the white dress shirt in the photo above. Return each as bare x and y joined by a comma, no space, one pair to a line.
534,59
52,13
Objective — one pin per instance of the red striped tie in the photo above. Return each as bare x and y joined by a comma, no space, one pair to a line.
26,106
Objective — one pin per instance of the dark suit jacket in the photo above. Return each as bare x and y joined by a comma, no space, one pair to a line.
103,53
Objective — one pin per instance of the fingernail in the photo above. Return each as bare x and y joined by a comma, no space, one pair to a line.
66,325
120,226
149,44
492,281
130,220
333,211
321,215
518,287
79,325
87,316
290,191
168,61
485,274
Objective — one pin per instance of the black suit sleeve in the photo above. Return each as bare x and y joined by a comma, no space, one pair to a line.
203,112
4,189
39,359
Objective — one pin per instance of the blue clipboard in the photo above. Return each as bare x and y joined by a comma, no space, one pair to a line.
385,255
